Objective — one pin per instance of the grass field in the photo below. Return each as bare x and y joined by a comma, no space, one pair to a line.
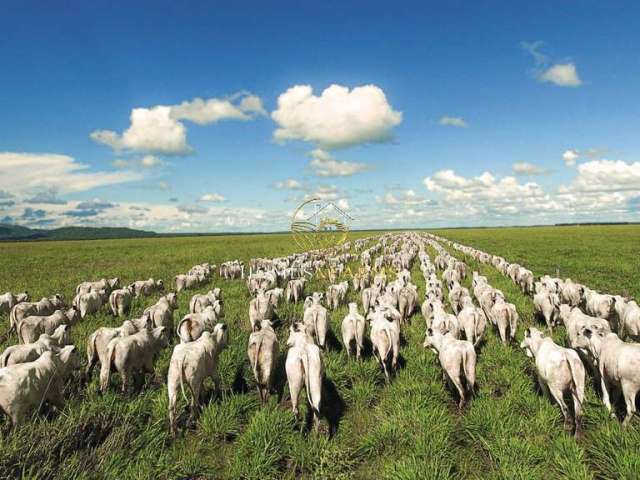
409,429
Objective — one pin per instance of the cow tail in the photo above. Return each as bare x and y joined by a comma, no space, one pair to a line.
305,366
574,386
4,359
255,362
19,332
12,319
184,395
112,304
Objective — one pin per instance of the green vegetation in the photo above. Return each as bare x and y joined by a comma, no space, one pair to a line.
408,429
17,232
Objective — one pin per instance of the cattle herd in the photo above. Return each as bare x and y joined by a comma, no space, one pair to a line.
601,328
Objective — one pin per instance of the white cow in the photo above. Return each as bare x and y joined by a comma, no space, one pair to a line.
316,320
193,324
546,304
505,316
191,364
9,300
619,367
304,368
628,313
353,326
385,338
457,359
120,301
560,370
263,354
31,351
25,386
472,321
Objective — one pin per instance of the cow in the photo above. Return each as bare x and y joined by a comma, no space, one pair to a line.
191,364
385,339
260,308
560,370
546,304
105,284
200,302
120,301
45,306
505,316
263,354
24,387
132,354
353,326
619,367
161,313
295,290
407,298
444,322
31,351
98,341
30,328
193,324
336,294
457,359
571,293
472,321
304,368
628,313
9,300
316,320
144,288
90,302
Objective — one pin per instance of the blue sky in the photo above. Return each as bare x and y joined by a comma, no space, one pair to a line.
420,114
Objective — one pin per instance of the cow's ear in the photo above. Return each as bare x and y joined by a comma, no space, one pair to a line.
223,326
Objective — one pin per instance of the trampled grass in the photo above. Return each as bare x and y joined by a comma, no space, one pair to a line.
408,429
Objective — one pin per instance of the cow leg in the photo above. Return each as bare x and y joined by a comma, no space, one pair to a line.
502,329
125,381
577,410
559,398
605,395
629,390
544,388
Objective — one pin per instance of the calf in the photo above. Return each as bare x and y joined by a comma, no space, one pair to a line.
263,355
546,304
628,317
472,321
457,359
316,320
90,302
505,316
161,313
144,288
260,308
560,370
199,302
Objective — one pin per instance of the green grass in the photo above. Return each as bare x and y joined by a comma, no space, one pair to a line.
408,429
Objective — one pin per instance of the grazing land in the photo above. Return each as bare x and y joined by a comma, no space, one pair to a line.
408,429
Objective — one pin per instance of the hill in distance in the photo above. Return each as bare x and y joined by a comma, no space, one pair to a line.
17,232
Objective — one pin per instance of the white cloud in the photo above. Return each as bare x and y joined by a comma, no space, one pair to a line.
212,197
213,110
160,130
404,198
324,165
150,161
605,176
338,118
524,168
561,74
22,173
289,184
121,163
324,192
151,130
570,157
452,122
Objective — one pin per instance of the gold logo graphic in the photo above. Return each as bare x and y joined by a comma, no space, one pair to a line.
319,224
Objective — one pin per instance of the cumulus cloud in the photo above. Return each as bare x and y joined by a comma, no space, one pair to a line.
95,204
404,198
605,176
289,184
452,122
524,168
22,173
30,213
560,74
570,157
212,197
213,110
191,209
325,192
343,204
160,130
324,165
338,118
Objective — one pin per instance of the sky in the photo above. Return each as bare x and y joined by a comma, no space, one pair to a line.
226,116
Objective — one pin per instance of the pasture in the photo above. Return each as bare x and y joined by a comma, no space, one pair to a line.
408,429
